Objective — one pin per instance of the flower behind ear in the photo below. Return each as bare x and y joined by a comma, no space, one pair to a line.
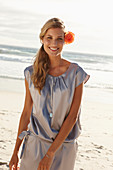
69,37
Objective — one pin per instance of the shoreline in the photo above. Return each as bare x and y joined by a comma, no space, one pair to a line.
95,142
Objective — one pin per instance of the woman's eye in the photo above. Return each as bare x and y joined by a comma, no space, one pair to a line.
60,39
49,38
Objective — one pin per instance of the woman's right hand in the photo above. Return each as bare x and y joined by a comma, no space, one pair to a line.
13,162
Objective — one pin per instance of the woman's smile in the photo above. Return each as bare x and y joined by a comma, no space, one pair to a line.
53,49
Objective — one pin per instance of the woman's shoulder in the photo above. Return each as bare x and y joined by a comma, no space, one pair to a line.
29,69
74,69
73,66
69,63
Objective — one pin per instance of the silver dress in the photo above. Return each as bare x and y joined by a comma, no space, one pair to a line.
49,111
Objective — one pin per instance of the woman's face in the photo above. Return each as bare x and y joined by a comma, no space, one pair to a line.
53,41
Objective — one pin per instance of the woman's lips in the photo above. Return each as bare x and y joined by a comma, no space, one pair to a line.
53,49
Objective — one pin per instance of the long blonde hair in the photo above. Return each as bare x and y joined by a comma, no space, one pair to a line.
42,62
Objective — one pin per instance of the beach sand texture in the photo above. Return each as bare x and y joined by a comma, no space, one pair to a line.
95,149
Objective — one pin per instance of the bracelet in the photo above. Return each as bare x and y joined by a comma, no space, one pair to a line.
47,155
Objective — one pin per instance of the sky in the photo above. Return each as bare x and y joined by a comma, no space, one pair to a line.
90,20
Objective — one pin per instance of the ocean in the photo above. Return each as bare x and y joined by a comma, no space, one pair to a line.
14,59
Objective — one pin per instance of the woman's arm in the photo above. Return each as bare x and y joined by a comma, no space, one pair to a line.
65,129
23,124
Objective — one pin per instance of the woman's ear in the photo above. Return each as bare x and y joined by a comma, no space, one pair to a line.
41,41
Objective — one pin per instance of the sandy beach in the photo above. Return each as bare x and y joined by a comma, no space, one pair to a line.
96,141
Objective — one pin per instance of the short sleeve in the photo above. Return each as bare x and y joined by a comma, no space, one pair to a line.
27,74
81,76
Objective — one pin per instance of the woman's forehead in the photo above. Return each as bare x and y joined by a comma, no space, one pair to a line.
55,31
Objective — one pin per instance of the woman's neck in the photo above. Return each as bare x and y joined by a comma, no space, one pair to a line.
56,63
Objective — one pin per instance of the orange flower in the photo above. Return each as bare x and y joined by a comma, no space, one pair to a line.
69,37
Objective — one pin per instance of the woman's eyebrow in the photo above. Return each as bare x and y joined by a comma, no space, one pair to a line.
49,35
52,35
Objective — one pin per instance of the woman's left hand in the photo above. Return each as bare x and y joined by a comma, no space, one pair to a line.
46,162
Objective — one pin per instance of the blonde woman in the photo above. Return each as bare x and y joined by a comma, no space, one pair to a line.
50,121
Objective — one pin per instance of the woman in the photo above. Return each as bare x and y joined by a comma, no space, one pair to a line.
52,106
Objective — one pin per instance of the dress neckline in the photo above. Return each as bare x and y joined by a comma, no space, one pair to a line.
62,73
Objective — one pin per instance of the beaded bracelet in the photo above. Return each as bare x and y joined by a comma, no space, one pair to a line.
47,155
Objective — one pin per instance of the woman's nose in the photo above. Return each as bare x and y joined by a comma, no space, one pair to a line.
54,42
